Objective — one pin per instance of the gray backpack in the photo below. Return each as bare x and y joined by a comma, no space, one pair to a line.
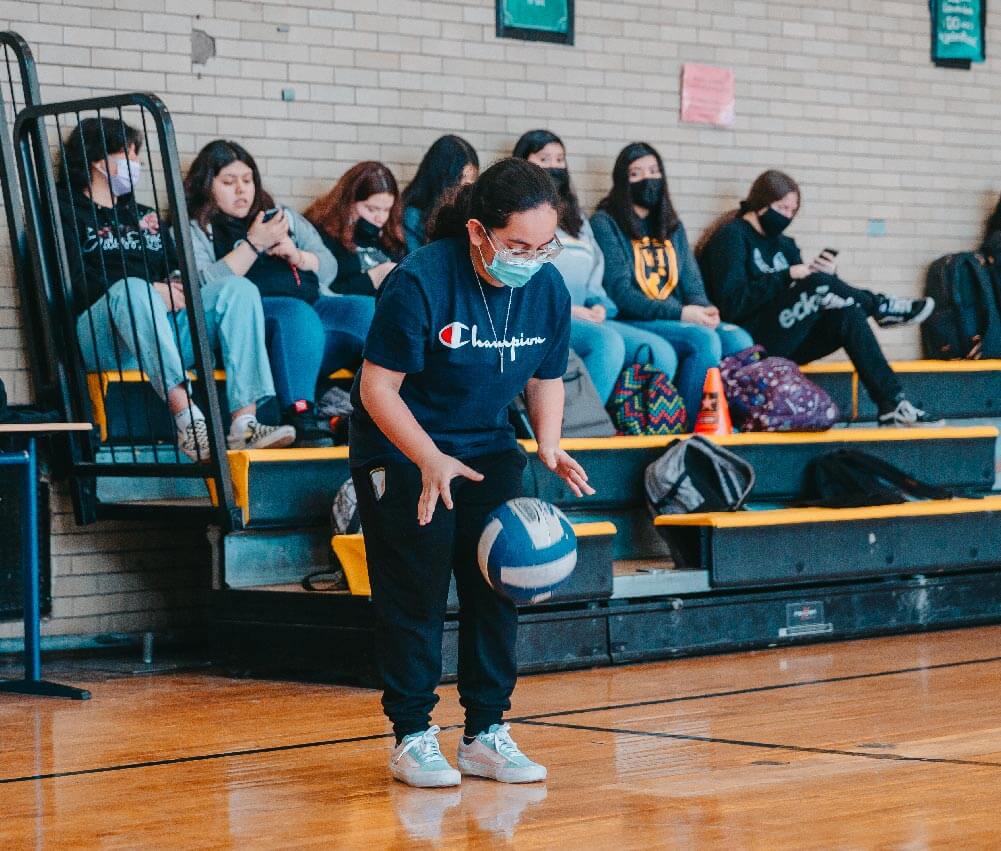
584,415
696,475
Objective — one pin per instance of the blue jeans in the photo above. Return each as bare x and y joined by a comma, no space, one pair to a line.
661,354
699,349
602,350
305,341
130,328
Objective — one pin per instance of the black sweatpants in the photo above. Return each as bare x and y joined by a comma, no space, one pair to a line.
409,568
813,318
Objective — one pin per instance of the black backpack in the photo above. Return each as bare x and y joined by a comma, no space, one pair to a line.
847,478
966,322
695,475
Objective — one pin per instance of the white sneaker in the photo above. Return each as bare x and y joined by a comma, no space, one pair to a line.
494,755
418,761
194,441
905,415
256,435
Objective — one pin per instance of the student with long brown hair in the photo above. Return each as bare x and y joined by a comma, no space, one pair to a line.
802,311
360,222
237,229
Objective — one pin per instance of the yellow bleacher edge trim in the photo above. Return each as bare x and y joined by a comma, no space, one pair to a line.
792,516
350,552
926,365
838,435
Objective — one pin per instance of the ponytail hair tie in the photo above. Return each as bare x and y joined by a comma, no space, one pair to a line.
744,207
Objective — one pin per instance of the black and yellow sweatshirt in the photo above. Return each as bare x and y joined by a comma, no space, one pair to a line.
646,278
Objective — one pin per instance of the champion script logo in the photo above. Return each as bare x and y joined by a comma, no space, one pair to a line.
455,335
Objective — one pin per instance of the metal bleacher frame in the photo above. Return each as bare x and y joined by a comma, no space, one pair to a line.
44,276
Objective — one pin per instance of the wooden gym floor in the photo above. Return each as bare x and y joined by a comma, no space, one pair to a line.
886,743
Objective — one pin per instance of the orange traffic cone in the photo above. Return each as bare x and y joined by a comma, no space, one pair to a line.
714,415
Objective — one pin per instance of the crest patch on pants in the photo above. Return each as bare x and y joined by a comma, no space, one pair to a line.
378,479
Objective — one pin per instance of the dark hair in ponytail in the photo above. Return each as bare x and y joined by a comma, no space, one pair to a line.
509,186
768,187
534,141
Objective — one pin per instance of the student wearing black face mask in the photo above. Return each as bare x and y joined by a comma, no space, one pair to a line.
360,222
802,311
652,276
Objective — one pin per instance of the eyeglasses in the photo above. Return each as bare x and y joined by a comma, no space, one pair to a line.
528,256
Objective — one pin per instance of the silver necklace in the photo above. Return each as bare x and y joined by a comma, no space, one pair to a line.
490,319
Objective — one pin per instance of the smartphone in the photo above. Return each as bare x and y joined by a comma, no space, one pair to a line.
270,214
832,251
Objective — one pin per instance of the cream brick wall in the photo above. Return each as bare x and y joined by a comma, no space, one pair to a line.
840,93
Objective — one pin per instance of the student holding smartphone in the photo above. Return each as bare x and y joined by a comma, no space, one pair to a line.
802,311
238,230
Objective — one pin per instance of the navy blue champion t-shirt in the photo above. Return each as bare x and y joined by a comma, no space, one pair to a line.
431,323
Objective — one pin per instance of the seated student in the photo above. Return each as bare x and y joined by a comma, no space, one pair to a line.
802,311
130,304
359,222
238,231
605,346
651,275
449,163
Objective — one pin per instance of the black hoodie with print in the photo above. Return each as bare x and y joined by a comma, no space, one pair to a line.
106,244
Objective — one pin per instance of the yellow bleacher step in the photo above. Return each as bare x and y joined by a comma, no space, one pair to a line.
770,438
791,516
350,552
927,365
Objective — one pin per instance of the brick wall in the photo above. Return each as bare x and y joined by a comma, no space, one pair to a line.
840,93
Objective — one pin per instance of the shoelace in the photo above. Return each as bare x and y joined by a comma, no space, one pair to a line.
504,744
196,438
426,745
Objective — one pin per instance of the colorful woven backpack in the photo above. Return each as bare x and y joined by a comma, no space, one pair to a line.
645,401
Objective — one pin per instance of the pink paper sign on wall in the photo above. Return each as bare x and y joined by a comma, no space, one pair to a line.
707,95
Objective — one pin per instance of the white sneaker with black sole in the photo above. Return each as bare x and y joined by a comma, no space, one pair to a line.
897,312
905,415
252,434
494,755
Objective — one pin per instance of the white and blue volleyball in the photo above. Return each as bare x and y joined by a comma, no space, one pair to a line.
528,549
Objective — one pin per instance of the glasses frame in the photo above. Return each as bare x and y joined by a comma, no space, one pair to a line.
525,257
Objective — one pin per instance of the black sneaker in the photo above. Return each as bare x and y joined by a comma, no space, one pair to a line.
898,312
309,430
905,415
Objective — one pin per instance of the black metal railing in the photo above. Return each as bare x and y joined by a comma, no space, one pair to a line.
19,89
120,284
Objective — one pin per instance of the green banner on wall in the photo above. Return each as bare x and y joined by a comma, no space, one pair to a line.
958,30
549,15
536,20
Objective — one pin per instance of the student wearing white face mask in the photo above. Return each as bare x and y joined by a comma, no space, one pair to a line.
130,304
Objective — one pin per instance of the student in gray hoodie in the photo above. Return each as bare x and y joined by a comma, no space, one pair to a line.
238,230
652,276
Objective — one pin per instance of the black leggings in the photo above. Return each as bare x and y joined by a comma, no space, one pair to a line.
409,568
819,315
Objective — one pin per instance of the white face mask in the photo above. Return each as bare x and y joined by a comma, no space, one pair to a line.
127,177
